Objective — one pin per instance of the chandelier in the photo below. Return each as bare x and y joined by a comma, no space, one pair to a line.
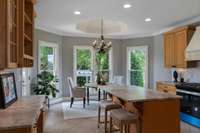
100,45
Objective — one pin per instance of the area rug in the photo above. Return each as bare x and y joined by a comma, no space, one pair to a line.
77,110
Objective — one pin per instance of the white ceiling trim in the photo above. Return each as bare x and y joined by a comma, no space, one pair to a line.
52,30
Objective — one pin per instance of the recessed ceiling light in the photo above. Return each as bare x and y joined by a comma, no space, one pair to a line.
127,6
147,19
77,12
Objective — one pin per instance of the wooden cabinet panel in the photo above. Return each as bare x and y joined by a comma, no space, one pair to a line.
9,25
169,50
180,39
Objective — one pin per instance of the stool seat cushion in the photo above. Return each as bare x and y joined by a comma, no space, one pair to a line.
109,105
122,115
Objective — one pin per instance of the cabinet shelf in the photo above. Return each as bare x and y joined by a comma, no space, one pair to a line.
28,57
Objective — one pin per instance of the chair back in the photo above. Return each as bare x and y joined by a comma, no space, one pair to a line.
71,86
118,80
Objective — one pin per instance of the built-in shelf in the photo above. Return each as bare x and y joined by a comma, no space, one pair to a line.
28,57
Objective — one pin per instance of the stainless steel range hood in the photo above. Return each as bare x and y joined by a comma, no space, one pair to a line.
192,52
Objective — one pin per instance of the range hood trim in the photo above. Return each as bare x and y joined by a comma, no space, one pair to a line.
192,52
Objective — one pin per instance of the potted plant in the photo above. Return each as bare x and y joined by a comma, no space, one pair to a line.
46,85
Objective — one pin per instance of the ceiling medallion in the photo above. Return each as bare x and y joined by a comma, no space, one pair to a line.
100,45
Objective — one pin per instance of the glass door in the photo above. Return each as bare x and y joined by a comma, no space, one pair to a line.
137,66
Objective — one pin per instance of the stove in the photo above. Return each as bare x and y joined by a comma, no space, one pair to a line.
190,102
192,87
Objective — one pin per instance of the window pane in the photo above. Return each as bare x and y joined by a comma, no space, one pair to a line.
83,59
102,60
137,60
137,78
46,58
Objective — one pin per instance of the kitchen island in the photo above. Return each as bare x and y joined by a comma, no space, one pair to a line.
158,112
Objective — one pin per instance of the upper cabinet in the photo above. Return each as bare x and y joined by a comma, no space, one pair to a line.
9,28
16,33
26,25
175,43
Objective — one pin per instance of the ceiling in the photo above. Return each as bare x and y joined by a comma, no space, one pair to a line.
57,16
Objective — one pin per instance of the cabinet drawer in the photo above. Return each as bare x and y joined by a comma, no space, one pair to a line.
166,88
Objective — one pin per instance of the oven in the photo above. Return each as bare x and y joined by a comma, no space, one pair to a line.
190,107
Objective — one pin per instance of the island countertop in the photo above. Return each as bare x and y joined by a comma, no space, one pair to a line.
134,94
22,113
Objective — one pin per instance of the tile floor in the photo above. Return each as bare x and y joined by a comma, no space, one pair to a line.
56,124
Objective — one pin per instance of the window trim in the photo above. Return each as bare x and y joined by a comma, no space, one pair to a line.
128,50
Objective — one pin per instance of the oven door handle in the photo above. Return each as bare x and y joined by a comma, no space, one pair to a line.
188,92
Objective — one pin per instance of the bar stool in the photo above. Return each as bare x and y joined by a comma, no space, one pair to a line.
125,120
107,106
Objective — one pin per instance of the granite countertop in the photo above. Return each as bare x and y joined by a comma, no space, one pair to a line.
23,113
138,94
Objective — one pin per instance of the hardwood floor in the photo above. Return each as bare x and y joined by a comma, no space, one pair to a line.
55,123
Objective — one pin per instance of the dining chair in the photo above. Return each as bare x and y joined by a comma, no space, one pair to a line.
76,92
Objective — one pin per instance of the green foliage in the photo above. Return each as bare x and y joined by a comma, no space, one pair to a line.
44,52
137,64
46,84
81,81
83,59
102,60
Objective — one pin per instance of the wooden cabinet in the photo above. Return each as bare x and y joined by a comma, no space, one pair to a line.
9,27
16,33
26,38
169,49
167,88
175,43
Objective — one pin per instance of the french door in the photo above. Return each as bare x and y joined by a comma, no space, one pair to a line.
137,66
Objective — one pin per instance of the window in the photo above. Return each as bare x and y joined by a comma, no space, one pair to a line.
47,57
85,68
103,65
137,66
83,65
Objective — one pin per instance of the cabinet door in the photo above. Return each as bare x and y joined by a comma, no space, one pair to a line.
180,46
169,50
12,36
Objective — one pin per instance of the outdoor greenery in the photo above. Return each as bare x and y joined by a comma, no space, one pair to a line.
46,84
83,59
83,63
102,64
45,63
137,68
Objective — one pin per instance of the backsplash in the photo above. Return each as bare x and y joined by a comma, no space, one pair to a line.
191,74
18,79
